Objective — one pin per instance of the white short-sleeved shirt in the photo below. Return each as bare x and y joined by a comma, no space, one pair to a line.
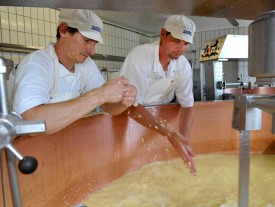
143,69
35,79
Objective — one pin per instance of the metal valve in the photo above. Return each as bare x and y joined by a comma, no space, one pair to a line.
11,126
26,164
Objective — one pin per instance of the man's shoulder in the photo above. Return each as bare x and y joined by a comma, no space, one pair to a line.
37,61
147,46
144,50
38,56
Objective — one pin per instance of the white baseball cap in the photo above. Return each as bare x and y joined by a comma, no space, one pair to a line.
86,21
180,27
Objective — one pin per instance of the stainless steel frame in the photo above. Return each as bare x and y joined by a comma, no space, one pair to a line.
248,116
11,125
28,49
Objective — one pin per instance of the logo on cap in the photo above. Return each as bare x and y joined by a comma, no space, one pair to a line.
187,32
96,28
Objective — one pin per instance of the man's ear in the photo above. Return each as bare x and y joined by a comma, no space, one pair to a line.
63,28
163,33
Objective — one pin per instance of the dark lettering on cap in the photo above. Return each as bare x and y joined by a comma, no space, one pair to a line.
96,28
187,32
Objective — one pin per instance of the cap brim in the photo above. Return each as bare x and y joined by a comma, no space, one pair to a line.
92,35
184,37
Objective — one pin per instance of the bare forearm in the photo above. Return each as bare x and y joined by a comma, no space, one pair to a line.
186,120
141,115
179,142
59,115
114,108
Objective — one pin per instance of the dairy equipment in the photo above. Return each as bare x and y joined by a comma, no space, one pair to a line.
248,107
262,48
219,63
11,126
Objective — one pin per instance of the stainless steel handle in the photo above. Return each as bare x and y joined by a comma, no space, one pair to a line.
11,125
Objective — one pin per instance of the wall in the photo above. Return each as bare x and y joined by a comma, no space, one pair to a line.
37,26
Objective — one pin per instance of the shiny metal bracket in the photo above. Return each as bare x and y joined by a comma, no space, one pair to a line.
247,115
11,126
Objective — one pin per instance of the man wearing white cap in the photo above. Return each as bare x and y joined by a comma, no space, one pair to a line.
61,83
159,70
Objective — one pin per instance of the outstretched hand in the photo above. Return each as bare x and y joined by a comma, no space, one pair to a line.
184,149
180,143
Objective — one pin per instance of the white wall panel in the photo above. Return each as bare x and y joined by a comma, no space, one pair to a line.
37,26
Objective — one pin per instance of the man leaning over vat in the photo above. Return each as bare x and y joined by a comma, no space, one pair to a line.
61,83
160,72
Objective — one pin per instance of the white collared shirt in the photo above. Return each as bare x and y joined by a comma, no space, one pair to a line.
143,68
35,76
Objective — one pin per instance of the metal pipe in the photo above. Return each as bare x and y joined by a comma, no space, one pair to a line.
13,178
18,48
244,162
4,106
232,84
11,125
28,49
3,179
129,29
265,104
14,151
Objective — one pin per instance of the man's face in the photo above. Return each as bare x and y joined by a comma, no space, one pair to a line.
172,47
78,47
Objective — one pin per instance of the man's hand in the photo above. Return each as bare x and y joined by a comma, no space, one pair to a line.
129,95
180,143
184,149
119,90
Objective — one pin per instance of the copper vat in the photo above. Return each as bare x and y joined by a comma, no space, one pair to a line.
96,150
230,92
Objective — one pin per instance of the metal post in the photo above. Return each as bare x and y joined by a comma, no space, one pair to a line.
3,179
4,106
13,178
244,163
11,126
246,118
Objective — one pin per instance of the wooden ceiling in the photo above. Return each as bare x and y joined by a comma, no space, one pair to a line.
237,9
